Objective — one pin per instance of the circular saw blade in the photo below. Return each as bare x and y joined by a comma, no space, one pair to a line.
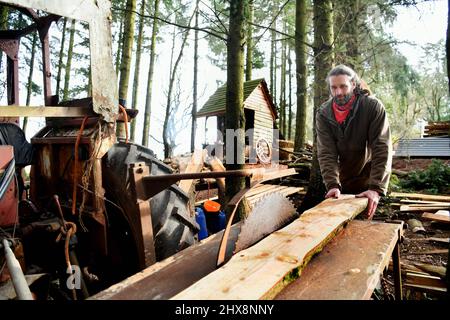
268,214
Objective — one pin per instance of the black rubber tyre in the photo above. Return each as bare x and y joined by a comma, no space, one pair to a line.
173,227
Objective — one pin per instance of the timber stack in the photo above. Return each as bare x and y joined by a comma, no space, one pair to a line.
436,129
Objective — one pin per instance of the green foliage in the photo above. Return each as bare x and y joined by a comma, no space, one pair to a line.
434,179
394,184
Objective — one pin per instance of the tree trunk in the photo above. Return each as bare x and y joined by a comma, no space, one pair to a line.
290,96
447,47
301,73
173,72
323,62
30,77
235,117
283,85
127,52
119,47
195,84
249,43
69,61
273,59
447,50
4,10
137,68
148,100
61,56
347,16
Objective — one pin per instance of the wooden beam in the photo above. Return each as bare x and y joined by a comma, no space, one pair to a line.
258,272
47,111
420,196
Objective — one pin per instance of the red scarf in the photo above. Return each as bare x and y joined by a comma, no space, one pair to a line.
341,112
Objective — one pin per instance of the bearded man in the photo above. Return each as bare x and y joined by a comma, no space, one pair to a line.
354,146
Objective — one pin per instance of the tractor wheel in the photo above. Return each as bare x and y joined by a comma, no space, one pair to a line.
174,226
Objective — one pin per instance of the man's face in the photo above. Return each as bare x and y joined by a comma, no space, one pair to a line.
341,88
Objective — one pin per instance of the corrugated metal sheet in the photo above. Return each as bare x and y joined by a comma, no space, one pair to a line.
216,103
426,147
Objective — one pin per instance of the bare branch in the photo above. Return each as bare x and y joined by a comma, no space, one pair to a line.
175,24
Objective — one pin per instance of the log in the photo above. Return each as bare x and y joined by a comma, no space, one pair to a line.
420,196
258,272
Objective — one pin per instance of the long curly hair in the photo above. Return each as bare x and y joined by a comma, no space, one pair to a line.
361,86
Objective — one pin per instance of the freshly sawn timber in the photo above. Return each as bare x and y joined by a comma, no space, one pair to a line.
429,197
258,272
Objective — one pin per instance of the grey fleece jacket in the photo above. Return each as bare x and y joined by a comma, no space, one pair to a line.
357,155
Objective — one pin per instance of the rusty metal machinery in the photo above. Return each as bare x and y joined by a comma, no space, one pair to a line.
96,210
84,217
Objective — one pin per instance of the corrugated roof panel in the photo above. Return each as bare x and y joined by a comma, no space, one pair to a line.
426,147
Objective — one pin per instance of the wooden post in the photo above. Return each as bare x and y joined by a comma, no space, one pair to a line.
397,271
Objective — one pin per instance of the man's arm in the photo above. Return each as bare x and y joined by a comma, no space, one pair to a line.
379,137
379,140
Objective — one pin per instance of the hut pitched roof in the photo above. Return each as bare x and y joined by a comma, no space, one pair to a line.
217,102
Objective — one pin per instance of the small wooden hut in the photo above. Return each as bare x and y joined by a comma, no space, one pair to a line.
260,111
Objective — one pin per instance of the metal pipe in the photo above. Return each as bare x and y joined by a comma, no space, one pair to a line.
17,277
199,175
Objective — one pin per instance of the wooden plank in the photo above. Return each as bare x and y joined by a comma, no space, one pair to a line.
262,194
349,267
47,111
168,277
423,201
424,280
258,272
427,205
195,165
441,240
433,290
283,190
436,251
420,196
260,189
422,208
438,271
436,217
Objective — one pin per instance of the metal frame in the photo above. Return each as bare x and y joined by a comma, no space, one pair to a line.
97,13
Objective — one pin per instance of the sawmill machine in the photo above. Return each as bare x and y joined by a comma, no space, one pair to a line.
84,219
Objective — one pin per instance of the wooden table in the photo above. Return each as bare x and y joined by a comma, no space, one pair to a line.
350,266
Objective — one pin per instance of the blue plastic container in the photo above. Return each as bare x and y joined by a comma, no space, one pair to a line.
201,220
215,221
